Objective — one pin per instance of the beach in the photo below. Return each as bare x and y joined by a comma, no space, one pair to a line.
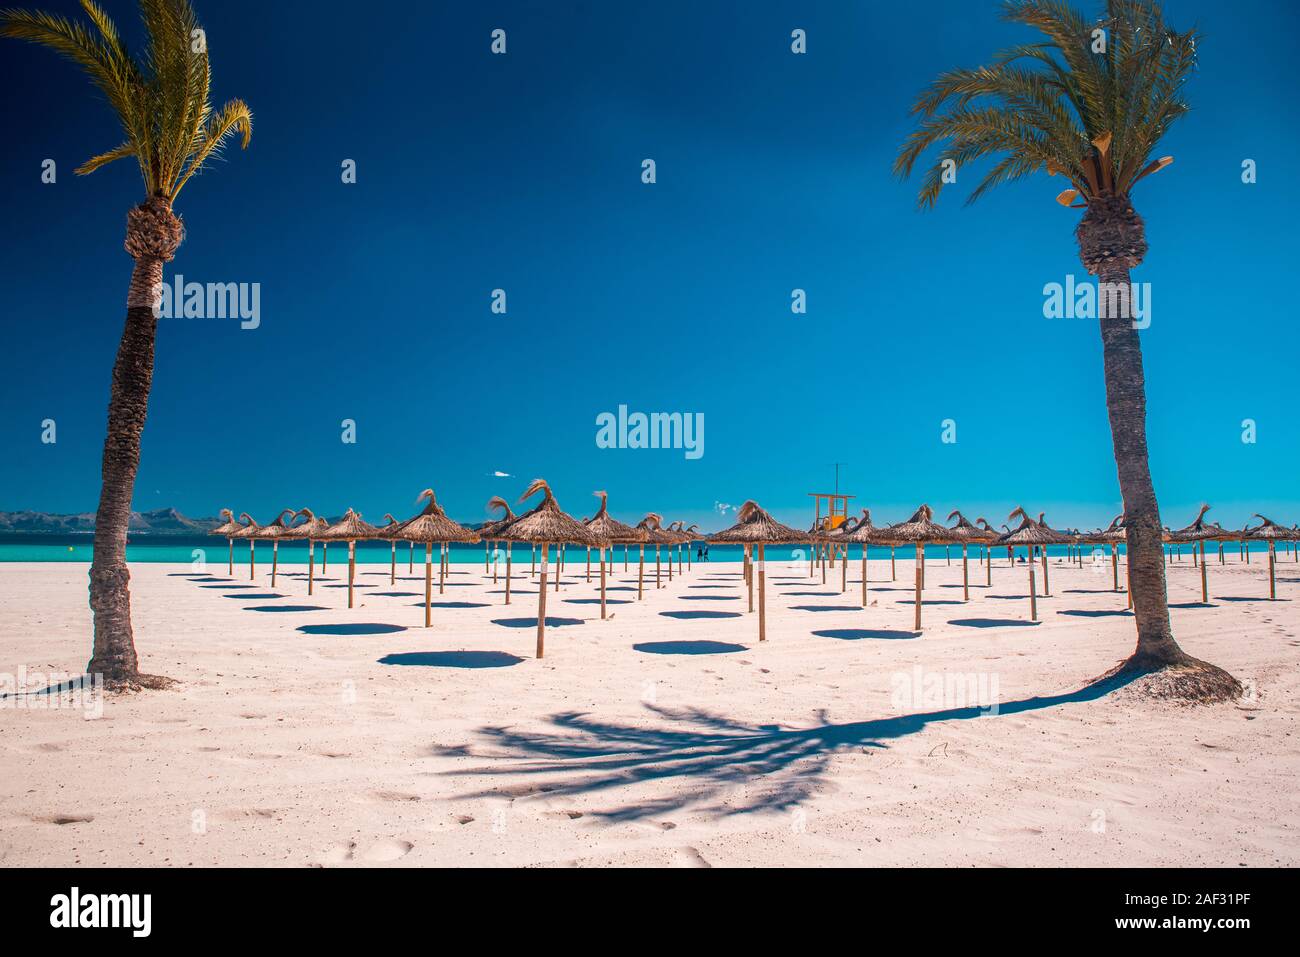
303,732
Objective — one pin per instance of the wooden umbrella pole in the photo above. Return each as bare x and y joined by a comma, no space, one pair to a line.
920,564
1205,591
893,569
324,558
311,565
844,572
1033,587
864,575
1114,566
507,573
496,562
485,558
640,575
541,604
947,554
624,558
352,569
410,559
232,557
822,549
762,596
1272,560
392,576
1128,577
923,566
532,563
252,559
988,568
749,578
965,574
602,583
589,563
275,560
428,583
812,562
442,568
1047,584
670,563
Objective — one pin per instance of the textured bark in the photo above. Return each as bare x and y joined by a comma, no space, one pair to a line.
1111,242
153,233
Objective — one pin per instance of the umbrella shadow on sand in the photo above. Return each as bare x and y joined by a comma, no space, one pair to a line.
452,659
712,763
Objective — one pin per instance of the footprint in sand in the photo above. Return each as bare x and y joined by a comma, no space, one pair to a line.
387,796
386,851
689,857
235,815
381,852
339,853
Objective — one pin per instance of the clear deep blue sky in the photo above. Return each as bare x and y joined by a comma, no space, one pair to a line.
523,172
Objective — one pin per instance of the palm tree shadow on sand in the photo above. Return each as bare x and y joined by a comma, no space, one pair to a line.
717,765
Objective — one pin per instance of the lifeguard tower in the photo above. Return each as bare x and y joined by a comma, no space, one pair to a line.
837,510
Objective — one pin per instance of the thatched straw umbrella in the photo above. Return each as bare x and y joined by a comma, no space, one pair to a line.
863,533
429,526
489,531
1060,538
350,528
1197,533
386,533
1271,532
1031,534
273,533
822,537
919,530
693,535
656,536
228,529
680,538
546,525
965,533
609,530
990,536
1114,535
248,530
756,528
309,530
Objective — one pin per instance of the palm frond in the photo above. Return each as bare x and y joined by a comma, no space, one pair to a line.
162,101
1059,105
103,159
234,117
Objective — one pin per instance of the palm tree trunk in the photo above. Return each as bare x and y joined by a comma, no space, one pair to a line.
113,654
1126,405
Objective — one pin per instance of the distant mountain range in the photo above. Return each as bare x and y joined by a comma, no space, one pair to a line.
160,521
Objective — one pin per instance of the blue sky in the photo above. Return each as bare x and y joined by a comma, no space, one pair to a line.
522,172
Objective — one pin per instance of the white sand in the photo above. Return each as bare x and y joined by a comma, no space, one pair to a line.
293,748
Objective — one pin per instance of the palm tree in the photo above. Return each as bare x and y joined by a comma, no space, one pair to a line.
1089,102
171,130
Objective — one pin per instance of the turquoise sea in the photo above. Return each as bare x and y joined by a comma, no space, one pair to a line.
185,549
